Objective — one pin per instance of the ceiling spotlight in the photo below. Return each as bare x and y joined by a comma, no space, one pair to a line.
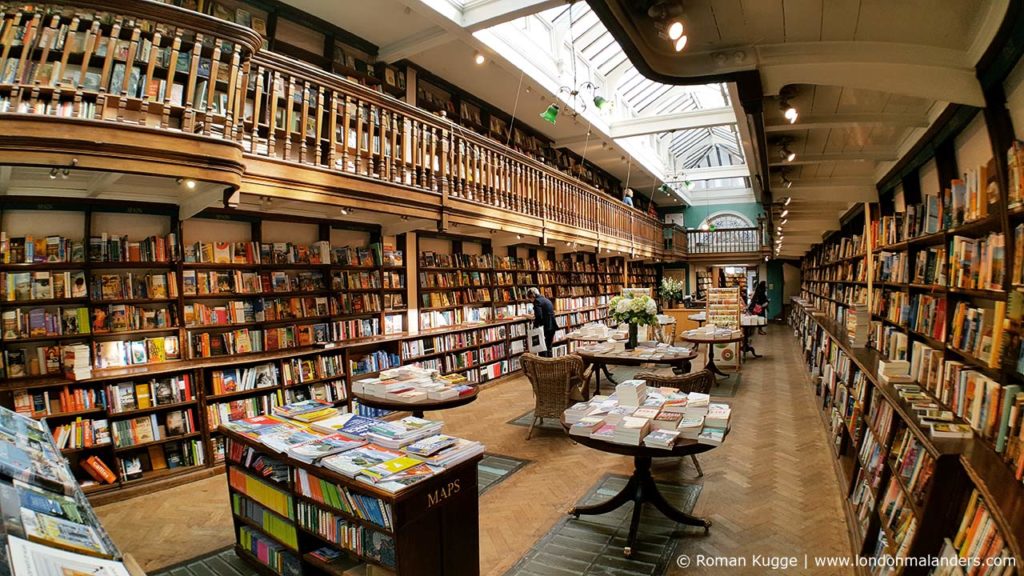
519,236
788,111
478,58
675,30
680,43
784,213
53,173
551,114
765,258
190,184
786,182
787,201
783,223
786,154
344,212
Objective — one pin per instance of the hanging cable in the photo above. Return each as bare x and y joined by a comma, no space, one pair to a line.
515,108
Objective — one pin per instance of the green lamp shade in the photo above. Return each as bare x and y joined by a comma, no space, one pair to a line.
551,114
712,227
602,103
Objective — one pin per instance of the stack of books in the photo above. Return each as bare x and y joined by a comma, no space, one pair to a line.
631,392
412,384
77,365
662,439
354,446
631,430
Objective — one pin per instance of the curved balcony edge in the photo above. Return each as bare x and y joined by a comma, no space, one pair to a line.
170,14
97,145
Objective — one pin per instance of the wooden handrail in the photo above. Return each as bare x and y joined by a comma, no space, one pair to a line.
155,65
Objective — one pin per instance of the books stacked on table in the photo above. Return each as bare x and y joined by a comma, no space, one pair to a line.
389,455
631,392
413,384
657,418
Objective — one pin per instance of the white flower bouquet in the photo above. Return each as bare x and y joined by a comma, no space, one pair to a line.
640,309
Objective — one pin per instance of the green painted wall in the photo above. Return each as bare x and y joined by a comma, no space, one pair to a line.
775,294
696,214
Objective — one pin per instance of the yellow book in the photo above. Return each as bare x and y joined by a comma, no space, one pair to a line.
142,396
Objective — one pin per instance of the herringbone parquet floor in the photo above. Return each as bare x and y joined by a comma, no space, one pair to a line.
770,489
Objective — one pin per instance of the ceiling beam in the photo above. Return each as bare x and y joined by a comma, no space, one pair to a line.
909,69
481,15
824,122
101,182
716,172
884,156
421,41
671,122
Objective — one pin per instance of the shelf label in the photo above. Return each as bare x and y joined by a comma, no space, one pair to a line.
441,494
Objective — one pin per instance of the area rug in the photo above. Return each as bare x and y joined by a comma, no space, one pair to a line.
592,545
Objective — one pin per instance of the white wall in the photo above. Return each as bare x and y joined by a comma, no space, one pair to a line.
972,145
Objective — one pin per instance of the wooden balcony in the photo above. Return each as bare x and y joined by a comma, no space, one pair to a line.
155,89
740,244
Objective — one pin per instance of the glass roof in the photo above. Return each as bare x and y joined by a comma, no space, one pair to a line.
641,97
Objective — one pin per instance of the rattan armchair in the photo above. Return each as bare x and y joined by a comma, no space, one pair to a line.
695,382
553,380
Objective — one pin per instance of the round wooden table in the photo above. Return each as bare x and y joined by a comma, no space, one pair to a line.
601,360
417,408
586,339
641,488
711,341
747,322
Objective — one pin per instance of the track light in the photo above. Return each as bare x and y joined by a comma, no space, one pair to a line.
680,43
787,201
788,111
551,114
345,212
786,181
784,213
783,223
519,236
188,182
675,30
786,154
478,58
53,173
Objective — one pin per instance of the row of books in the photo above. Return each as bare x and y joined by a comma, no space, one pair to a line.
103,248
41,403
319,367
43,285
236,282
270,523
24,323
128,396
977,263
81,433
462,279
146,429
245,340
430,259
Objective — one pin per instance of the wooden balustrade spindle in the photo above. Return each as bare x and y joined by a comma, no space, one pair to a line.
395,174
172,65
151,88
332,150
434,151
318,129
406,127
444,168
237,86
289,117
210,104
372,141
277,82
382,129
345,131
359,138
304,123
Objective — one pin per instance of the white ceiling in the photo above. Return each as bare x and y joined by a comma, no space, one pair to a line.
869,76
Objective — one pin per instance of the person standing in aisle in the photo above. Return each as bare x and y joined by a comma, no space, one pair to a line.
627,198
759,303
544,317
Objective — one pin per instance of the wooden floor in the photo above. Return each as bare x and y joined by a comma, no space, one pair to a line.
770,489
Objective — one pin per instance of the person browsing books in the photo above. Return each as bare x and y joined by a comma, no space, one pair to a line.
543,317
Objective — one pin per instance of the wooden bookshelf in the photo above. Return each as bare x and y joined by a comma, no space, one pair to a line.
430,528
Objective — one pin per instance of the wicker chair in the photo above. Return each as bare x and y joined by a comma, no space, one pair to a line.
696,382
553,380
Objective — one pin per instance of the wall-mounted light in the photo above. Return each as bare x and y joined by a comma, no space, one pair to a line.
187,182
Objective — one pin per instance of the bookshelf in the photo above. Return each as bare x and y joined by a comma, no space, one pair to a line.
705,282
430,528
643,275
932,261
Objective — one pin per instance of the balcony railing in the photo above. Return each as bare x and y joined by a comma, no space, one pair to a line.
724,240
176,71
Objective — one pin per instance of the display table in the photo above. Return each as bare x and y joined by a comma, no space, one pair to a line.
641,488
748,322
601,358
417,408
711,340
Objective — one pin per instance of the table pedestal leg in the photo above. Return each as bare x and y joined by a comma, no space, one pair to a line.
417,413
607,374
748,334
640,489
711,362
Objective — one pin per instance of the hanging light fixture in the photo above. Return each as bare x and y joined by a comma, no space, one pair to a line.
550,114
574,95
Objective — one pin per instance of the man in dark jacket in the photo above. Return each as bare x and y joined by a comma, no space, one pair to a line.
544,317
